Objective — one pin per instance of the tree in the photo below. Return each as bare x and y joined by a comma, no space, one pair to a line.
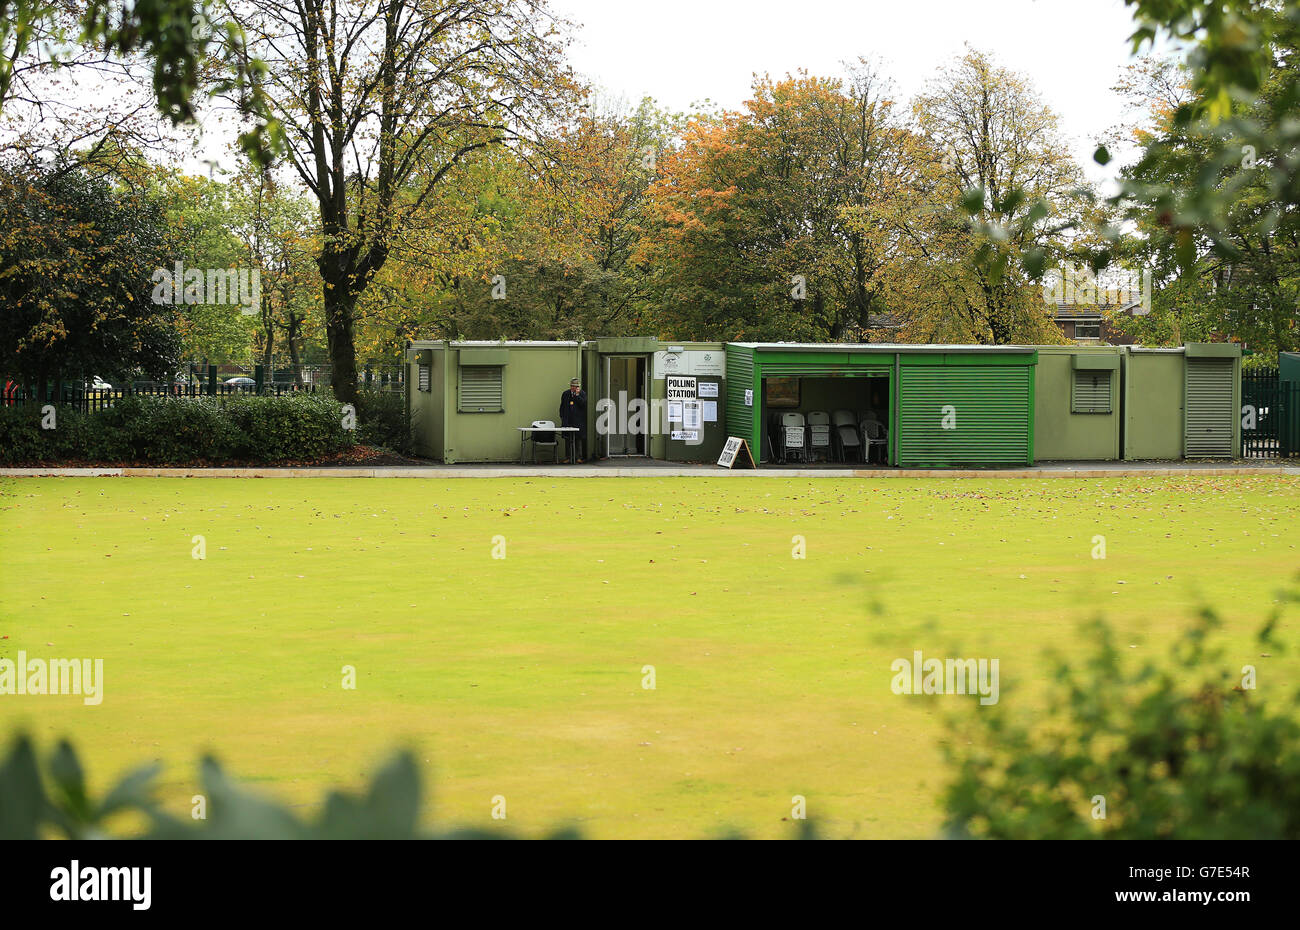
1205,211
278,237
781,221
198,212
178,40
76,287
381,101
539,252
1008,191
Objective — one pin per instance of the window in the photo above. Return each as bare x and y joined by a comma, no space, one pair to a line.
1091,391
781,392
424,378
1087,330
481,389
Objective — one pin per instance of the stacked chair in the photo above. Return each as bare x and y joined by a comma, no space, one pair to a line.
819,436
848,440
790,437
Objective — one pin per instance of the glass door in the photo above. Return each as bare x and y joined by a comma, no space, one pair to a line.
625,382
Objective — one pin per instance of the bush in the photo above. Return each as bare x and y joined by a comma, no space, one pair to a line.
295,426
1183,749
165,431
21,438
382,420
178,431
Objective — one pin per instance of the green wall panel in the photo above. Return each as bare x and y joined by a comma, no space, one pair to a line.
742,420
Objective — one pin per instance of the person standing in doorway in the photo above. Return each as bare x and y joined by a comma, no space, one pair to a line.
573,412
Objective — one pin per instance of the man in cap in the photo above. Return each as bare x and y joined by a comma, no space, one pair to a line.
573,412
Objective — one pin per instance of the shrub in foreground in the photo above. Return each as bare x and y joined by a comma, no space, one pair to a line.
1182,749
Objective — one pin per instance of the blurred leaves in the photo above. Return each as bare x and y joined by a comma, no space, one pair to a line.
39,802
1175,747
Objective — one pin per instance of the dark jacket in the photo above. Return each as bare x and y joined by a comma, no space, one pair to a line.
573,409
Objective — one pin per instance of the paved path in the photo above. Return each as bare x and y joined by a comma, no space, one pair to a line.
671,470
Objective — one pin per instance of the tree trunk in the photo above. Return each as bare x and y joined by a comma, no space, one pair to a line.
291,337
340,310
268,343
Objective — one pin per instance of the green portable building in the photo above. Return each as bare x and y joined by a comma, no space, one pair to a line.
1077,410
467,400
1288,366
940,405
1182,403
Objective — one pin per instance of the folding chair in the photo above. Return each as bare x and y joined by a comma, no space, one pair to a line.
848,440
819,435
874,437
794,437
545,440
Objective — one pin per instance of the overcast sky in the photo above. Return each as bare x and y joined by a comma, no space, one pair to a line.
683,51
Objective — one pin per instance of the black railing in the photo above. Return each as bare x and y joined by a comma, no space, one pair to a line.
90,400
1270,415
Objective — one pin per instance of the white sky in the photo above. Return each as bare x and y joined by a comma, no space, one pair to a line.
683,51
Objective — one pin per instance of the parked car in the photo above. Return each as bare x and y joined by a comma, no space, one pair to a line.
241,382
96,383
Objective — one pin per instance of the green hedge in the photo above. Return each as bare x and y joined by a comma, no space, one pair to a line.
179,431
382,420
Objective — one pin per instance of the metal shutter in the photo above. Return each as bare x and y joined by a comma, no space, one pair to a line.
992,410
1209,407
1090,391
480,389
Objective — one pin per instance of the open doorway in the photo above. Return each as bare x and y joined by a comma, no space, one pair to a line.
827,420
626,381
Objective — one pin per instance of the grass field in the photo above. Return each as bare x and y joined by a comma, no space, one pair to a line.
523,676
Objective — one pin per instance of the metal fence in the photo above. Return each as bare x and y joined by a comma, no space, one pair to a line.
1270,415
90,400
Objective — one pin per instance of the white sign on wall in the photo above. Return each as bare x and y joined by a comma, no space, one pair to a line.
691,418
708,362
680,388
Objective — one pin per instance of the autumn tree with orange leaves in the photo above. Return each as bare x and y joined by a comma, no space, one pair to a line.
783,221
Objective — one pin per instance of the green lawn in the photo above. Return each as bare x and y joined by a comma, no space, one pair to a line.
522,676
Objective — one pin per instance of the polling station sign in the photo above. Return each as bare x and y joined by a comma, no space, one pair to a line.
681,387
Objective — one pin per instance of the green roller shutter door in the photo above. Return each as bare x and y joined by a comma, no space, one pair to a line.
1209,407
965,415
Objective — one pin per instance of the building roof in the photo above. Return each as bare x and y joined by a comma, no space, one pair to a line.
1073,310
879,347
